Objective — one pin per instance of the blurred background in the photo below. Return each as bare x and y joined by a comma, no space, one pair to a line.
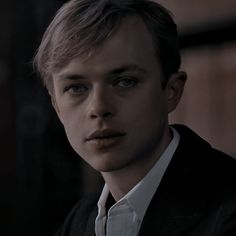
40,175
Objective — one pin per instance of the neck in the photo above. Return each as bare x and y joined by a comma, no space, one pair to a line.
121,181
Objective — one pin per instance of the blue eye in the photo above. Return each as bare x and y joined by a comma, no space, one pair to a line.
76,89
126,83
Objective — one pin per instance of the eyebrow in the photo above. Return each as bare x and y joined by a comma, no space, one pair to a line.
127,68
113,72
68,76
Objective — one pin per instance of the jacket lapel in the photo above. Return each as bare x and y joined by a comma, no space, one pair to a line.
90,229
167,216
178,204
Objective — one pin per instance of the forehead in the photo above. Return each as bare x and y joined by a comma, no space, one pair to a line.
130,44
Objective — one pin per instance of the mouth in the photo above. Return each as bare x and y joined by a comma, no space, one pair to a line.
104,134
104,138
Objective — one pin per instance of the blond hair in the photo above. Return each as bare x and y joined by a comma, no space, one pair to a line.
80,26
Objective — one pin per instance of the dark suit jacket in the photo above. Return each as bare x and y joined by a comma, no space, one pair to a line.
196,197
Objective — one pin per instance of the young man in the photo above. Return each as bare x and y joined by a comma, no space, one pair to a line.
112,70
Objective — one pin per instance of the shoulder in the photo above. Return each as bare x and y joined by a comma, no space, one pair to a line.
80,216
211,167
192,143
205,176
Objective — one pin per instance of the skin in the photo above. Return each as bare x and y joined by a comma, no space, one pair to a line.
118,88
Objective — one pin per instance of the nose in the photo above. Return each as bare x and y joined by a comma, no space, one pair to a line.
101,105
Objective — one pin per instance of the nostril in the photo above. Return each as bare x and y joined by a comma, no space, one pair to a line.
107,114
93,116
102,115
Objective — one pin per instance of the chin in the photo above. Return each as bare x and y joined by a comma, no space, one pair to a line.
107,166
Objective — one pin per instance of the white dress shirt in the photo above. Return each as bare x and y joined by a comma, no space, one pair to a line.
124,218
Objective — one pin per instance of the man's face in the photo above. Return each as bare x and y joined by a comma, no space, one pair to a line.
112,105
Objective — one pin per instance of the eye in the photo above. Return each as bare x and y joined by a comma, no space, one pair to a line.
126,83
76,89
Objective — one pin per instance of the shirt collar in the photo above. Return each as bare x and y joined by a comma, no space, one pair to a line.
139,197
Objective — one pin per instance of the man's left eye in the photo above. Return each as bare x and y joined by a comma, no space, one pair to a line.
126,83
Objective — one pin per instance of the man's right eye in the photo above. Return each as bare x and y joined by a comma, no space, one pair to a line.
76,89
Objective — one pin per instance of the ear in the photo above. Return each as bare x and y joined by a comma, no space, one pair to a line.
174,89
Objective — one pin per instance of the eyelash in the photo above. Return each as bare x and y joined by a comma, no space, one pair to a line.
70,88
126,79
73,86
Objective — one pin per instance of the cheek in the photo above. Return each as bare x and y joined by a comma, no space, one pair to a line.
150,106
73,124
148,116
68,113
75,137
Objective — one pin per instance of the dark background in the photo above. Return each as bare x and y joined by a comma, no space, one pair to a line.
41,176
40,173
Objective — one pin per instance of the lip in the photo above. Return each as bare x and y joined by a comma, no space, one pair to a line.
104,134
106,138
